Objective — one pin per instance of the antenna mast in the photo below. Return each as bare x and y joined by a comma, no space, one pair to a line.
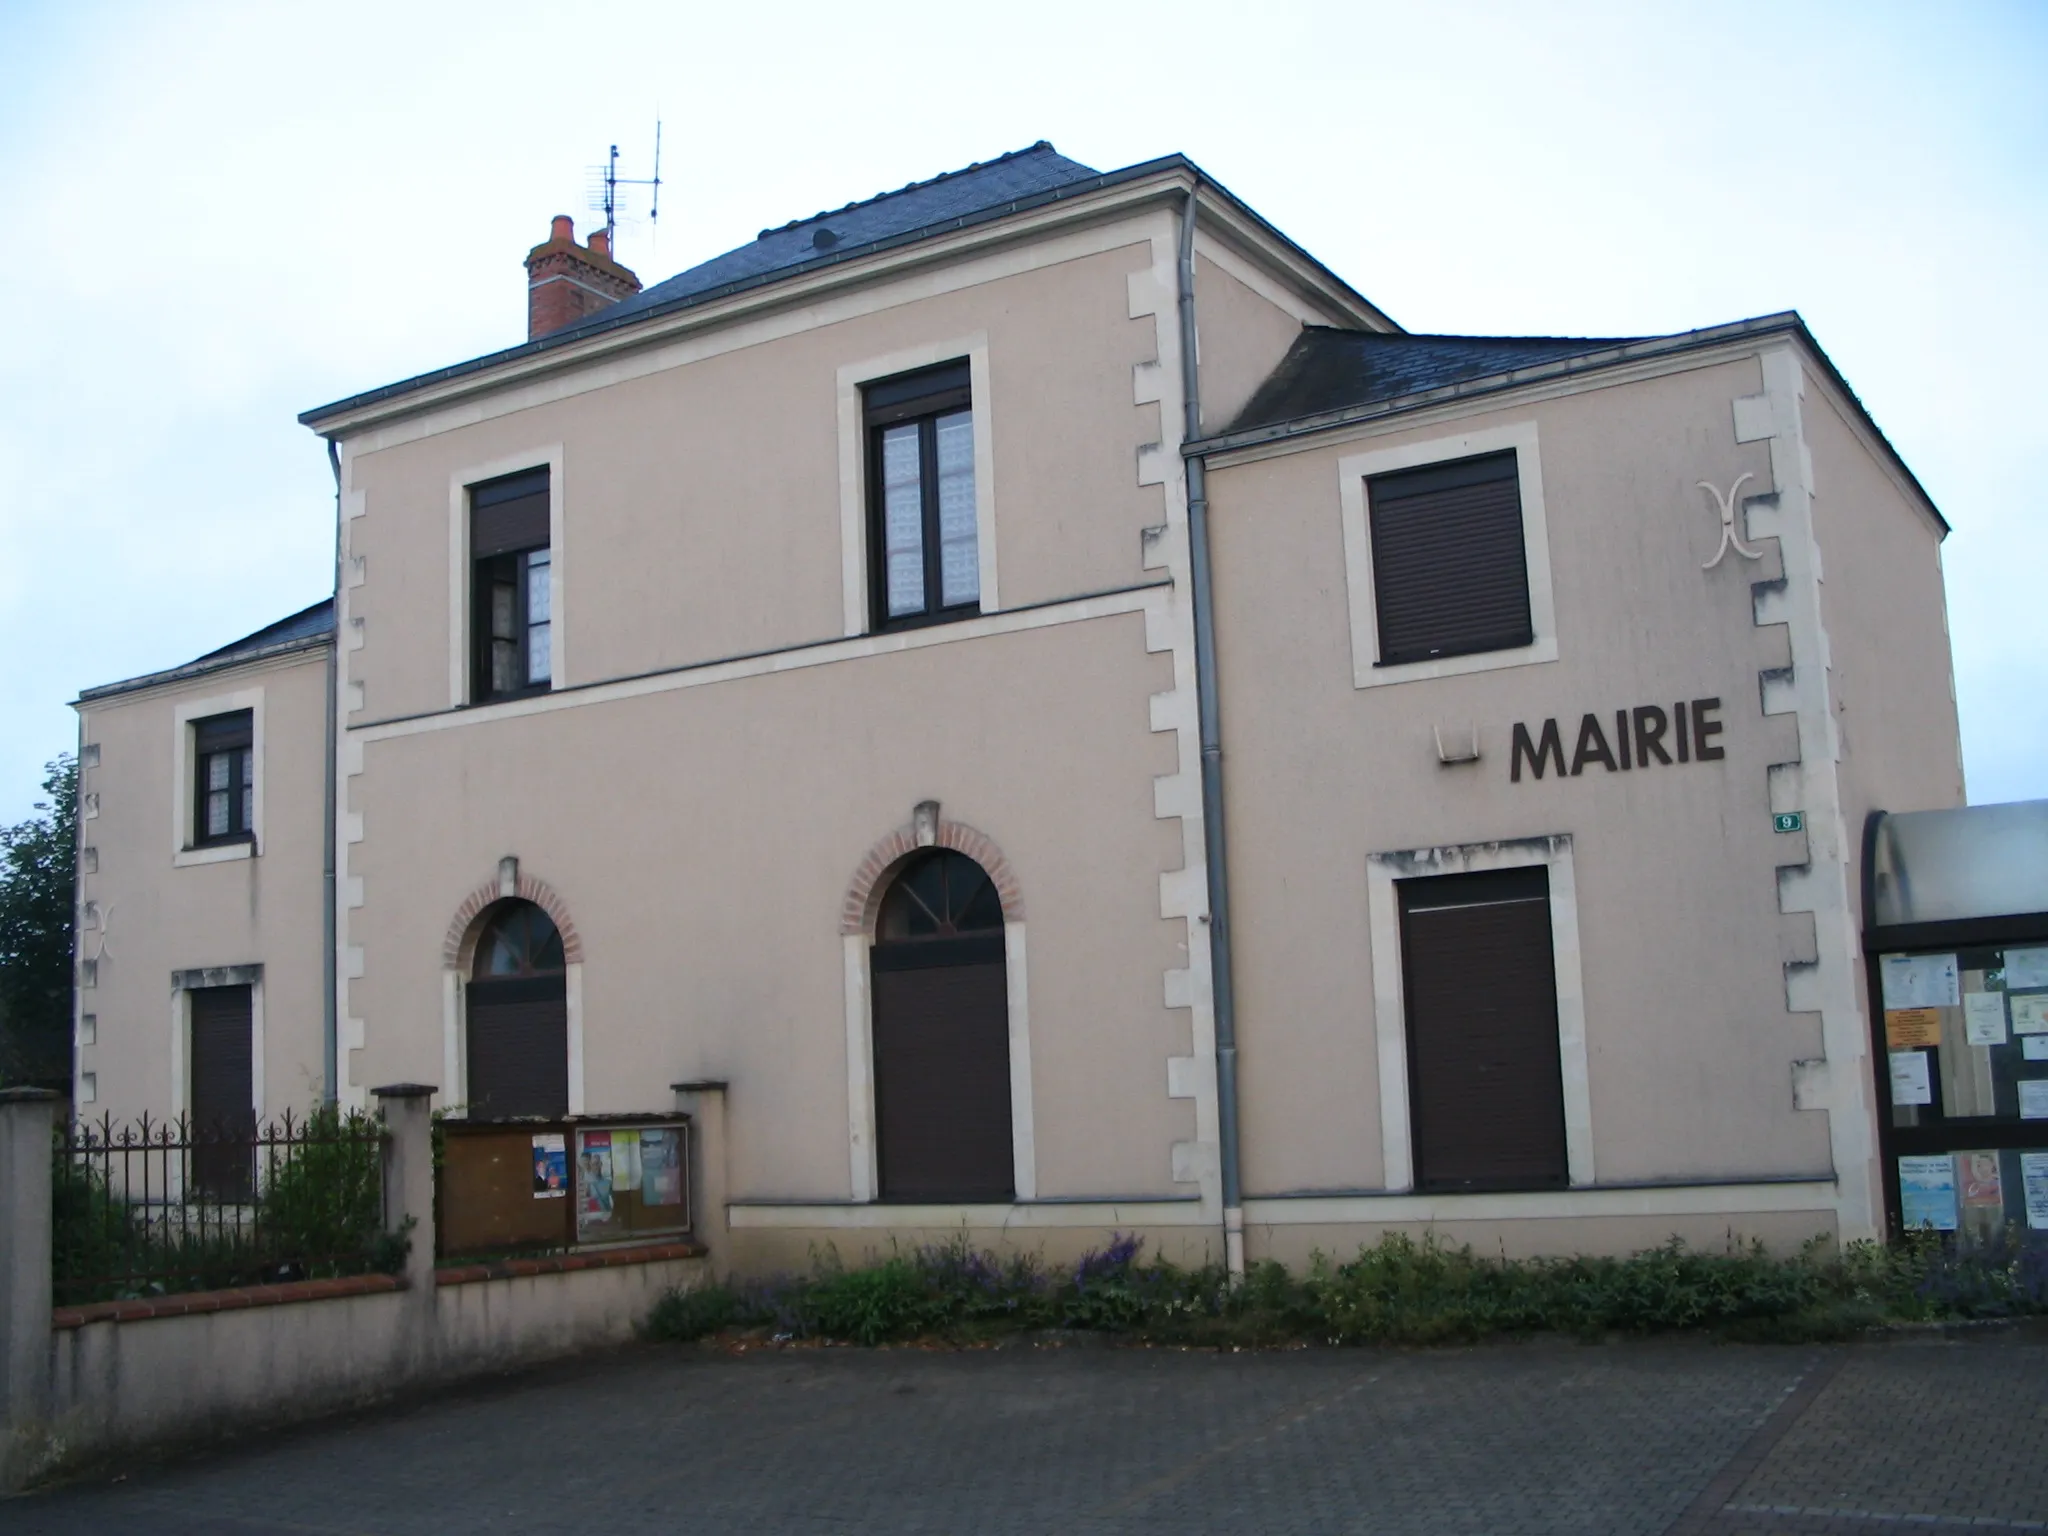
613,181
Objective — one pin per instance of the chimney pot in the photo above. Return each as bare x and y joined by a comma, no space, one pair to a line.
566,282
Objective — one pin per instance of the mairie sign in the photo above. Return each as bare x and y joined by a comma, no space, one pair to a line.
1645,736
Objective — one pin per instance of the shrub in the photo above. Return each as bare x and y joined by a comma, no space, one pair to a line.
1400,1290
322,1208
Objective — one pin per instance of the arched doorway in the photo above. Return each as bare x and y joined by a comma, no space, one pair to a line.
518,1027
942,1035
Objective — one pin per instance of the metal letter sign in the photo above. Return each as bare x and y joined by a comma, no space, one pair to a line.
1789,821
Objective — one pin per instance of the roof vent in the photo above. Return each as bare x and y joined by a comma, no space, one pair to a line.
824,239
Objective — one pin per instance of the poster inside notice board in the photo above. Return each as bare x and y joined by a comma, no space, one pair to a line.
550,1166
1927,1192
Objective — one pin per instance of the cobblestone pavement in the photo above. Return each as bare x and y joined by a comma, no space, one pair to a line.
1685,1438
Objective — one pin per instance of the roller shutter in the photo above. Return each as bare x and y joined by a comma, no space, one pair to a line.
942,1070
508,514
518,1048
1449,574
223,1090
1486,1089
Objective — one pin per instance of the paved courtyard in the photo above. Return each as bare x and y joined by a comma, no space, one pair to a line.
1550,1436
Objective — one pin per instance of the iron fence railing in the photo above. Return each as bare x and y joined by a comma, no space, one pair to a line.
153,1207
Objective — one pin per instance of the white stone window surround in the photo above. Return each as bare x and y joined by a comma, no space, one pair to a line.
864,1171
853,477
1352,472
181,1033
460,579
1390,1017
185,763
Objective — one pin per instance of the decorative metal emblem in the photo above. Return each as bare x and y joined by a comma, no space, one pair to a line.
1729,537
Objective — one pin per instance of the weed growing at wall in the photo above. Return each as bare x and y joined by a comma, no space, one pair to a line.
1399,1291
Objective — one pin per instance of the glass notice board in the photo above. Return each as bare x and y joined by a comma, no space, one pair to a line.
629,1181
1964,1076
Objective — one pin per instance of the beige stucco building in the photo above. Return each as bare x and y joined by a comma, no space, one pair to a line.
797,677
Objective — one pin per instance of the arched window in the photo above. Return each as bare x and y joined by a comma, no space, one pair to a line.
518,1031
940,895
942,1035
520,940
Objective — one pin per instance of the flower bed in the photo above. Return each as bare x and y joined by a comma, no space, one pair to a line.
1398,1292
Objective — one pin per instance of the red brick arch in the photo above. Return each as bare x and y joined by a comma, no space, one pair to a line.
864,895
459,948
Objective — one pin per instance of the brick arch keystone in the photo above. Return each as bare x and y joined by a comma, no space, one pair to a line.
864,894
459,947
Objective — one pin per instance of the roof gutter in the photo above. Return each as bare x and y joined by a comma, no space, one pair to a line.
202,668
1222,992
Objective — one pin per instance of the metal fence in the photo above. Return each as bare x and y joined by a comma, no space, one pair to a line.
154,1207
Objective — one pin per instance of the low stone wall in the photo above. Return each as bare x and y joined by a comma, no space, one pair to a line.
128,1374
81,1383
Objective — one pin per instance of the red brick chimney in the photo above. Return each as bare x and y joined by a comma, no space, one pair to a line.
566,281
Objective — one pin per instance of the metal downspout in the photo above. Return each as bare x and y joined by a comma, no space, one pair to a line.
329,1032
1224,999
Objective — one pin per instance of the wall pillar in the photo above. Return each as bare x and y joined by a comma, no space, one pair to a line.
704,1102
27,1121
409,1193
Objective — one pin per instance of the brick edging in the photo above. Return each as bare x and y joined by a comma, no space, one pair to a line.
565,1263
237,1299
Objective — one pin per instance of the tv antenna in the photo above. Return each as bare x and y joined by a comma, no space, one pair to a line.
612,181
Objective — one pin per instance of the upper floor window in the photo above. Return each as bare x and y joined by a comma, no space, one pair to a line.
921,498
511,605
1450,574
224,805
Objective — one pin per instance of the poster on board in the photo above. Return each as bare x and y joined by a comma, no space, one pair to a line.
550,1166
661,1167
2033,1098
1981,1187
625,1162
2030,1014
594,1179
1919,981
1927,1192
1912,1028
2034,1180
1984,1018
1910,1082
2027,967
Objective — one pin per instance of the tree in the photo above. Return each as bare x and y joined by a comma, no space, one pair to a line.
38,867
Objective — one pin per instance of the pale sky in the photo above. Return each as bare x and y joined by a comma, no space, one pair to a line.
225,214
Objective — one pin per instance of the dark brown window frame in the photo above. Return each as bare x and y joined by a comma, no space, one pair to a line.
923,397
231,734
1396,642
508,560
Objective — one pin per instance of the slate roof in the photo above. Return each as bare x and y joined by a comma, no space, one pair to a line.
306,624
921,206
976,193
1332,370
297,631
